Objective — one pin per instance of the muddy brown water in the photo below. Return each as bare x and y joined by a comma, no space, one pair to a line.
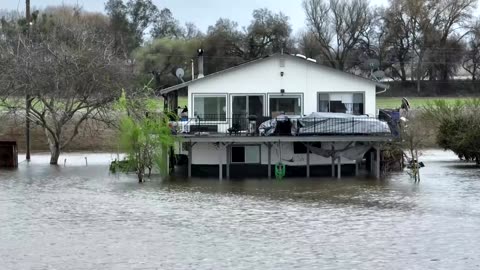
79,217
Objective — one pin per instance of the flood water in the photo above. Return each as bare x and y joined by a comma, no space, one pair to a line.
79,217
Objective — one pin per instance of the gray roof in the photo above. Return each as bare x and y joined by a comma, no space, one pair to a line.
185,84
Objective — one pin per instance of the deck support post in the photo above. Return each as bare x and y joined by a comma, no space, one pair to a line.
377,164
339,167
333,160
269,146
308,159
372,164
229,150
220,162
190,146
357,168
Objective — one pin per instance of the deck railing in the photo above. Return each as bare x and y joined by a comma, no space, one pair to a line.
218,125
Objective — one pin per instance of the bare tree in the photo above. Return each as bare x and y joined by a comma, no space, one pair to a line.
69,68
471,60
447,18
398,40
339,26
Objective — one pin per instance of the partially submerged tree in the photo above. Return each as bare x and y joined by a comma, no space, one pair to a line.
68,68
145,137
458,127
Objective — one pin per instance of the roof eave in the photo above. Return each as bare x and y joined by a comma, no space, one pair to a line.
175,87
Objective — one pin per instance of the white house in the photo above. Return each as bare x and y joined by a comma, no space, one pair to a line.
280,84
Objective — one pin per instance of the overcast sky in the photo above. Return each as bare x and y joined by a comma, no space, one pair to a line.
201,12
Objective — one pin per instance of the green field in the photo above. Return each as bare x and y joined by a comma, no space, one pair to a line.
415,102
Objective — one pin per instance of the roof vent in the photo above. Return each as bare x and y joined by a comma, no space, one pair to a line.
301,56
311,60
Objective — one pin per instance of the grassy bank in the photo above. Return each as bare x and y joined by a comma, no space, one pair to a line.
415,102
93,135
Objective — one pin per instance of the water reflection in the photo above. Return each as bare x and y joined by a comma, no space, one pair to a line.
82,217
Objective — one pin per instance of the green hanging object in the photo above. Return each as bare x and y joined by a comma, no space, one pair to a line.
279,170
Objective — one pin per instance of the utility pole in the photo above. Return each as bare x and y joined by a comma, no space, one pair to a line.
27,96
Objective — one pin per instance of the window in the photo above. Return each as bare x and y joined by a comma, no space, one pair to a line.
243,107
210,108
247,105
249,154
350,103
288,104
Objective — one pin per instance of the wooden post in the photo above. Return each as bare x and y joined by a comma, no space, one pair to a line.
220,162
357,169
333,161
190,146
308,160
339,168
372,164
377,165
229,150
27,96
269,146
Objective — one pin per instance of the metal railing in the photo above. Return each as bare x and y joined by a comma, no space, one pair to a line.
216,125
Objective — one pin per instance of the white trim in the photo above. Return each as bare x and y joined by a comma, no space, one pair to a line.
364,94
225,95
286,95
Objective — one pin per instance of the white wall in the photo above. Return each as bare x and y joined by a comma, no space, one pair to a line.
209,154
300,76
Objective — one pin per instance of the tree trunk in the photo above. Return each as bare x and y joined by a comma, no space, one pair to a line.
403,73
54,146
419,65
140,174
54,153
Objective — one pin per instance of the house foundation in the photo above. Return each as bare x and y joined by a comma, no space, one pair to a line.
239,157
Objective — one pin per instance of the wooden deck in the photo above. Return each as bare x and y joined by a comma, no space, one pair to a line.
213,138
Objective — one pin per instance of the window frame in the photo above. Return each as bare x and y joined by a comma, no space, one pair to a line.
214,95
285,95
342,92
259,146
231,96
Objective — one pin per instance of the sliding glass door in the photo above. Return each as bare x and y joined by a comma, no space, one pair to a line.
243,107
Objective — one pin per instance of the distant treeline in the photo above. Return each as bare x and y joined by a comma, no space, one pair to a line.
66,66
433,40
453,88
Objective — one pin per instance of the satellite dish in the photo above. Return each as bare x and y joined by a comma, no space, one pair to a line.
379,74
180,73
373,64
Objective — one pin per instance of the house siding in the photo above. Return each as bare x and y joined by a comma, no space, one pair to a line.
208,154
299,77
